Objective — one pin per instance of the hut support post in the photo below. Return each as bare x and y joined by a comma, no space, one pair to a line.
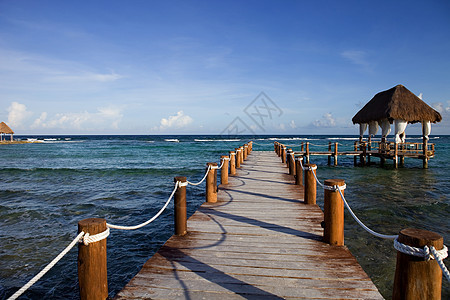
395,155
333,210
180,215
425,153
310,184
415,277
92,266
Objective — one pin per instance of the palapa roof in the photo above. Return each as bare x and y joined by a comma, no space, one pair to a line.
5,128
396,103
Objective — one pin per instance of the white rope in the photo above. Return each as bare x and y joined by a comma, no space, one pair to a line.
149,221
203,179
383,236
87,238
314,173
223,161
47,268
440,262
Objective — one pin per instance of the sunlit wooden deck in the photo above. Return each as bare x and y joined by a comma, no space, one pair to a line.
259,241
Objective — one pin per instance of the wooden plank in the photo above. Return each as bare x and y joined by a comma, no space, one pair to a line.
259,241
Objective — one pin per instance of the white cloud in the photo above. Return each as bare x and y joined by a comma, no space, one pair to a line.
441,107
17,114
356,57
177,121
326,121
104,118
292,124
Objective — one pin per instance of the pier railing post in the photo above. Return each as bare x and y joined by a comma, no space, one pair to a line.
333,211
298,171
283,154
307,152
180,213
232,163
224,170
92,266
238,157
288,158
310,187
241,154
211,183
329,150
335,154
292,163
415,277
245,151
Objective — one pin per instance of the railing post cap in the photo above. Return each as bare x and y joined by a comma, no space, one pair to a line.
310,165
420,237
333,182
232,153
224,156
212,164
180,178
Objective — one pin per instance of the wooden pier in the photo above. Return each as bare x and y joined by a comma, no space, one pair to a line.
258,241
365,150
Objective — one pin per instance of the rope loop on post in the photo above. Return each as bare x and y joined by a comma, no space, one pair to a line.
335,188
87,239
427,253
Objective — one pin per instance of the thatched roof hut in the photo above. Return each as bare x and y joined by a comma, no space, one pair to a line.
4,129
397,103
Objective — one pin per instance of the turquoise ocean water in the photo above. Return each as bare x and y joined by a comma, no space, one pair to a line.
46,188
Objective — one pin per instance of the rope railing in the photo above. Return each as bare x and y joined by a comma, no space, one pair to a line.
177,184
427,252
86,238
203,179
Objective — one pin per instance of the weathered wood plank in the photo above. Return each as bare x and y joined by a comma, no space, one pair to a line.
259,241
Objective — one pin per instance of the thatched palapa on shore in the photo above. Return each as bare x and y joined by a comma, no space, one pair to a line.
4,129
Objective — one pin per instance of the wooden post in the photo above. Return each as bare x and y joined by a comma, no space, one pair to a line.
224,170
288,158
241,154
333,211
292,170
232,163
283,154
425,153
329,156
92,270
335,153
307,152
245,152
310,184
395,155
369,148
238,157
298,171
180,215
211,183
415,277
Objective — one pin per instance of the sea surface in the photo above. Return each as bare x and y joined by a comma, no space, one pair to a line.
46,188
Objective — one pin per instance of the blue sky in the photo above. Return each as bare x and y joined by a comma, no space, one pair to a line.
198,67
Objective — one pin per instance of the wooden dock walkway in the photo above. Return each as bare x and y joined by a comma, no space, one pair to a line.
259,241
